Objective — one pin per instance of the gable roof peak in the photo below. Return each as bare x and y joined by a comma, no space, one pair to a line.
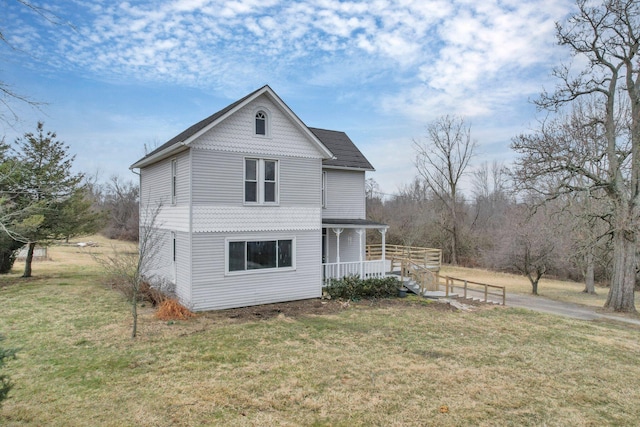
179,141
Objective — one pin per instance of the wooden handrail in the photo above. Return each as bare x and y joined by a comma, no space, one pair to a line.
419,274
430,258
449,285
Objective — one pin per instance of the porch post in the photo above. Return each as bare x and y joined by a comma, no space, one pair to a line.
383,232
360,231
338,231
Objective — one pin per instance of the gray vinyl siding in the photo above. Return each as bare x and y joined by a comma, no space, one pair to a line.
218,179
164,270
183,268
212,289
345,195
236,134
160,267
349,246
300,182
155,183
183,175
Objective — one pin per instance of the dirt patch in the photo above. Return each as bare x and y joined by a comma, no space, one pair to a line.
318,307
289,309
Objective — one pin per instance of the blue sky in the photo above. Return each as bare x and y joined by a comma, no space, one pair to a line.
115,76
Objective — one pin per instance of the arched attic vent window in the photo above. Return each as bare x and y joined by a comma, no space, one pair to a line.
261,123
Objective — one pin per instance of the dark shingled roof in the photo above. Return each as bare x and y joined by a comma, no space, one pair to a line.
192,130
346,153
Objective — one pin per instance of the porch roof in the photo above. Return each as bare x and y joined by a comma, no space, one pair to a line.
352,223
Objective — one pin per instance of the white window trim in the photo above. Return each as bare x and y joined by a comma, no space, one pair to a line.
267,124
260,270
174,181
260,182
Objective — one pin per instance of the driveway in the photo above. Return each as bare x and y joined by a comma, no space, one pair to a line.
576,311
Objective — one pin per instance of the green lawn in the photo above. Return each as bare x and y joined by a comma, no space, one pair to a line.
382,364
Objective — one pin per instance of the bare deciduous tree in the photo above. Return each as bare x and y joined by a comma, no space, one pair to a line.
130,269
526,244
491,196
606,37
121,203
441,161
406,214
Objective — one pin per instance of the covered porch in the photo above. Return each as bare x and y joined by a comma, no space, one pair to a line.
343,249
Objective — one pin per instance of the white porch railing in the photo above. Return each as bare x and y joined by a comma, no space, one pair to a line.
364,269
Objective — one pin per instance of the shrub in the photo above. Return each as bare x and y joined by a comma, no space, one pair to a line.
154,293
354,288
157,293
171,309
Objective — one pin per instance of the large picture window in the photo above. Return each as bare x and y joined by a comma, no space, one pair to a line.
260,254
260,181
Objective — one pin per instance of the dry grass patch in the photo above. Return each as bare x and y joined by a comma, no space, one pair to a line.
171,309
560,290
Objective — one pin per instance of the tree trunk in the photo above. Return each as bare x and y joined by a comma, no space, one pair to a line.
534,287
27,263
621,291
535,280
134,309
454,236
589,276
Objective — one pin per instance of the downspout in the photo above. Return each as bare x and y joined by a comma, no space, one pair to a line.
191,227
360,250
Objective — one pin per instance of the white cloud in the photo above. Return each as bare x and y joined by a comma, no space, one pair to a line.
416,59
451,48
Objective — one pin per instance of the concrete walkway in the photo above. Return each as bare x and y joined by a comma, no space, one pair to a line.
576,311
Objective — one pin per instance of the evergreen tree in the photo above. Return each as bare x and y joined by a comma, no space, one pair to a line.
47,194
8,244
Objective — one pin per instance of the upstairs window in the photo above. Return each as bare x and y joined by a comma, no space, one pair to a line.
261,181
261,123
251,180
270,181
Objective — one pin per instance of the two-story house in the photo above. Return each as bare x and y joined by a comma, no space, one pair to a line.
252,207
